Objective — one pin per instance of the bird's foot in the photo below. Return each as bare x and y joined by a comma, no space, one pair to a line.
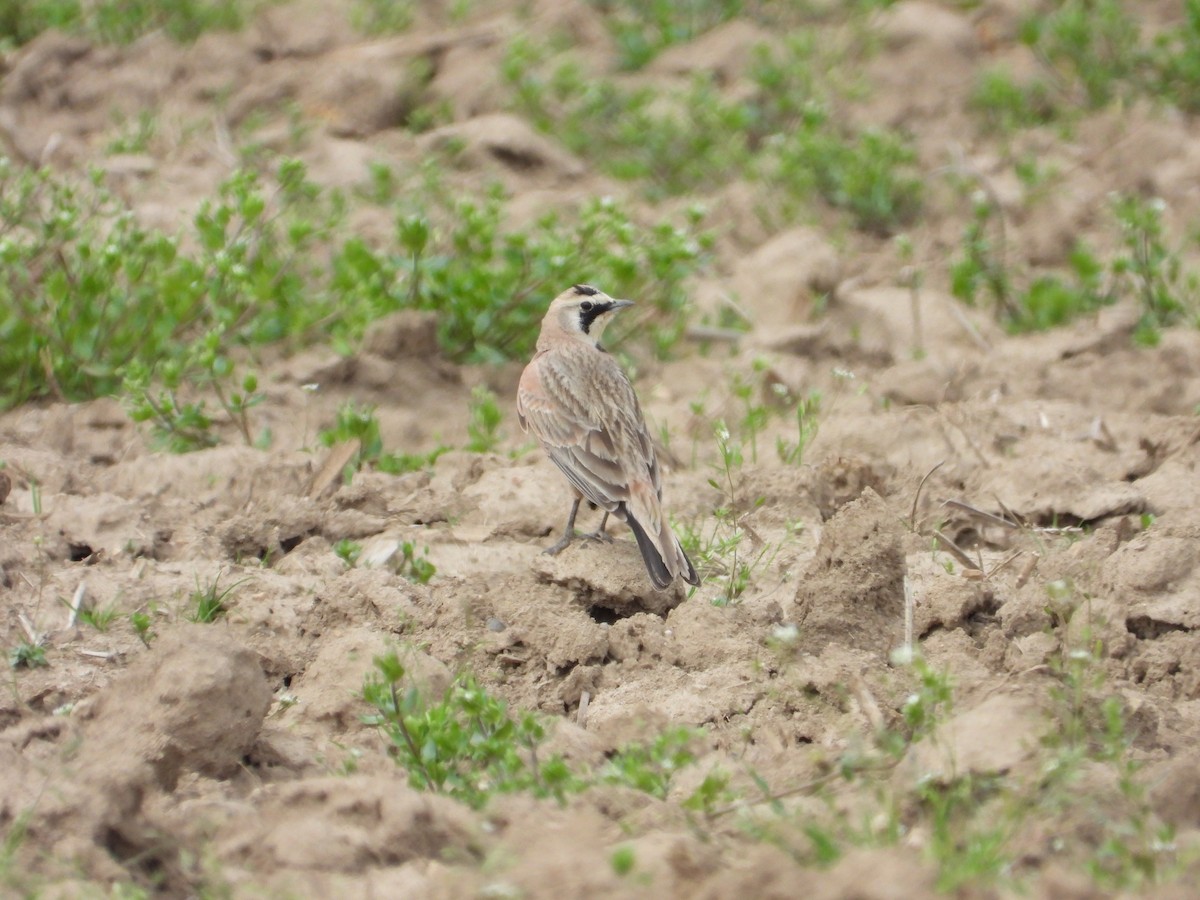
561,545
599,535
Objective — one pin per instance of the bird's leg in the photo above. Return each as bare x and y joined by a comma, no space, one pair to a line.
600,534
568,535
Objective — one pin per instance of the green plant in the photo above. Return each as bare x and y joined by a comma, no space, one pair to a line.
1051,300
355,423
932,700
642,30
1175,60
982,266
348,551
381,17
13,876
650,767
123,21
713,791
1007,105
969,847
413,567
27,655
23,20
1091,45
680,140
755,413
466,744
491,287
484,424
982,270
1088,729
135,137
1154,272
469,745
716,544
870,174
99,618
808,411
208,602
156,395
623,860
359,423
142,620
93,298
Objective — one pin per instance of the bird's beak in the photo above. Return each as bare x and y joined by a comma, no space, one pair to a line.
621,304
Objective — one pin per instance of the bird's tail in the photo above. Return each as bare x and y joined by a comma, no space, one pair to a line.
665,559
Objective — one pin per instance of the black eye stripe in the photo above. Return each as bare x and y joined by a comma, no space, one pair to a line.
589,312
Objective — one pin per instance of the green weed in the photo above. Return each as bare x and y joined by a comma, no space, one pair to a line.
484,424
1088,729
1147,267
982,273
376,18
208,602
808,411
1153,271
716,545
348,551
642,30
1007,105
650,767
135,136
679,141
415,567
623,860
27,655
94,298
491,287
142,622
969,847
466,745
469,745
931,702
870,174
99,618
165,396
1092,46
359,423
123,21
1175,59
355,423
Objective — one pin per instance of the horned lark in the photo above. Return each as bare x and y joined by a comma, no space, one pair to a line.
579,403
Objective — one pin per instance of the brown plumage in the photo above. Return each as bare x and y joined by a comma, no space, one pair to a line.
579,403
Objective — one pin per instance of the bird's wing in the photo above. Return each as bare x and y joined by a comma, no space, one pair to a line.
588,418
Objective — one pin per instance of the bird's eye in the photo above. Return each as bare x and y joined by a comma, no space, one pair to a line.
586,306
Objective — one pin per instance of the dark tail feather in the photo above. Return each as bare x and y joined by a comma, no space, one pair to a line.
655,567
689,575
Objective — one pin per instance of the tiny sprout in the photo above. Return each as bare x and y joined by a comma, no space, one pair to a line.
623,860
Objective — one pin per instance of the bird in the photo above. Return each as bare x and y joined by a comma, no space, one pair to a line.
575,398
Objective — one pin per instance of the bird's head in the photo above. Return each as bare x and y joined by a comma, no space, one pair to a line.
581,312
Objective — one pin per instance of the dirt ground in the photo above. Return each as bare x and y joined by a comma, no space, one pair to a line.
232,757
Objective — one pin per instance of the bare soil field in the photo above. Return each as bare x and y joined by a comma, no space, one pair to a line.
1023,507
